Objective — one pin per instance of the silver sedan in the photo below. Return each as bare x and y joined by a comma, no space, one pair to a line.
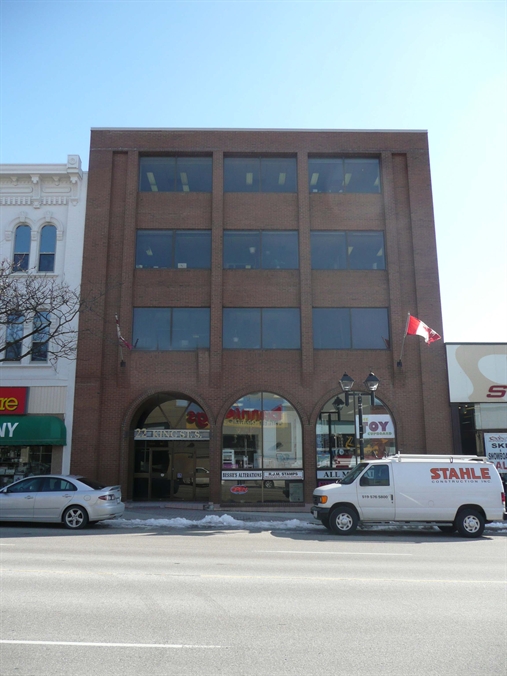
73,500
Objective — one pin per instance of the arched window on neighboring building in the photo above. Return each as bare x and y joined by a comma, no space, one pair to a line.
47,248
22,238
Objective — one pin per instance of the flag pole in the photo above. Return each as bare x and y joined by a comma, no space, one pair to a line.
399,362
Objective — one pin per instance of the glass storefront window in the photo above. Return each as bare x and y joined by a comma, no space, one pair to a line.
262,450
338,436
18,462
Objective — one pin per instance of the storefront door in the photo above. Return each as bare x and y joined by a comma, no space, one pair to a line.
171,470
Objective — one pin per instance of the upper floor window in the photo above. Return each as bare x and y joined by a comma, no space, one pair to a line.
344,174
173,249
260,174
261,328
175,174
14,337
171,328
356,250
350,329
261,249
40,339
22,248
47,249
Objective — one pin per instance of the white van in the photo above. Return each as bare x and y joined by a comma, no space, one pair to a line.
458,492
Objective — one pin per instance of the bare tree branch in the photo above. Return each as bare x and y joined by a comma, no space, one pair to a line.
38,311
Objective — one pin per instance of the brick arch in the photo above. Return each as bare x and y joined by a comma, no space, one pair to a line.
229,402
385,400
135,405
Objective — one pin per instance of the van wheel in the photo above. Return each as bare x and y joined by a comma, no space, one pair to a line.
343,521
447,529
470,524
325,522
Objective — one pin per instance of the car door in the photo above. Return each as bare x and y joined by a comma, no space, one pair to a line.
375,494
53,497
17,501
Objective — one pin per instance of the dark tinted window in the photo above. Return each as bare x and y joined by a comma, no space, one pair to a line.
40,339
31,485
352,250
329,250
350,175
267,249
175,174
260,174
241,249
242,174
362,175
280,250
192,249
14,337
350,328
91,483
167,249
22,247
241,328
370,328
331,329
266,328
47,249
281,329
171,328
154,249
366,250
54,484
278,174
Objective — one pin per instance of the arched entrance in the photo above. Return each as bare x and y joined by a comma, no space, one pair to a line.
171,451
337,433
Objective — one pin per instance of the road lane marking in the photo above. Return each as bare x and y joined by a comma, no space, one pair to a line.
204,576
288,551
109,645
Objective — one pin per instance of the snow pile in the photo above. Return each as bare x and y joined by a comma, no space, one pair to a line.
211,521
227,521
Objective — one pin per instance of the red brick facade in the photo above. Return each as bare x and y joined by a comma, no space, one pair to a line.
108,395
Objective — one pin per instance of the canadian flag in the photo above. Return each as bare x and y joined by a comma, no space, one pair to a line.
121,339
415,327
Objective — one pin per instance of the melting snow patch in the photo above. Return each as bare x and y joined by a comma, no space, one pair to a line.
211,521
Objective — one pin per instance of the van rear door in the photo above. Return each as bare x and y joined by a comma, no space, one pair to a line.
375,494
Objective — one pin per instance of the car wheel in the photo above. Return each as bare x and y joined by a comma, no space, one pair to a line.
75,517
269,484
343,521
470,524
447,529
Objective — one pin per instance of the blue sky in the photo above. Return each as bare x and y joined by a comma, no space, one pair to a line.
67,66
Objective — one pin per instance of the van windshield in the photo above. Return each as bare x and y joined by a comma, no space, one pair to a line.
352,476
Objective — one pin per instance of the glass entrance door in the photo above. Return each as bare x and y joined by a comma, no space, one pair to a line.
174,470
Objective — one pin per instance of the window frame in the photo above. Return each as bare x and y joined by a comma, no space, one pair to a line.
261,245
173,245
21,264
170,330
346,234
260,310
258,160
47,253
341,161
178,185
353,341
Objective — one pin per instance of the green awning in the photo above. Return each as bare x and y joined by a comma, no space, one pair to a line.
32,430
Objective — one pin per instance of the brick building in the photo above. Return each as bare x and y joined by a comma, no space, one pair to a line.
250,270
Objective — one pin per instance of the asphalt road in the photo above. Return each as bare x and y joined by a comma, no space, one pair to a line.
247,602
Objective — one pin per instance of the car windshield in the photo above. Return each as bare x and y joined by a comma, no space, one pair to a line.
352,476
91,483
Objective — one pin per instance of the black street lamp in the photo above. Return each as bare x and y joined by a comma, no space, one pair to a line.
371,382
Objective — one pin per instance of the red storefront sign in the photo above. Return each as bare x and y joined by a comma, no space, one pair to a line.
13,400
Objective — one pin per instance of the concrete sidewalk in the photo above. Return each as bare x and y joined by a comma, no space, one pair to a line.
197,512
